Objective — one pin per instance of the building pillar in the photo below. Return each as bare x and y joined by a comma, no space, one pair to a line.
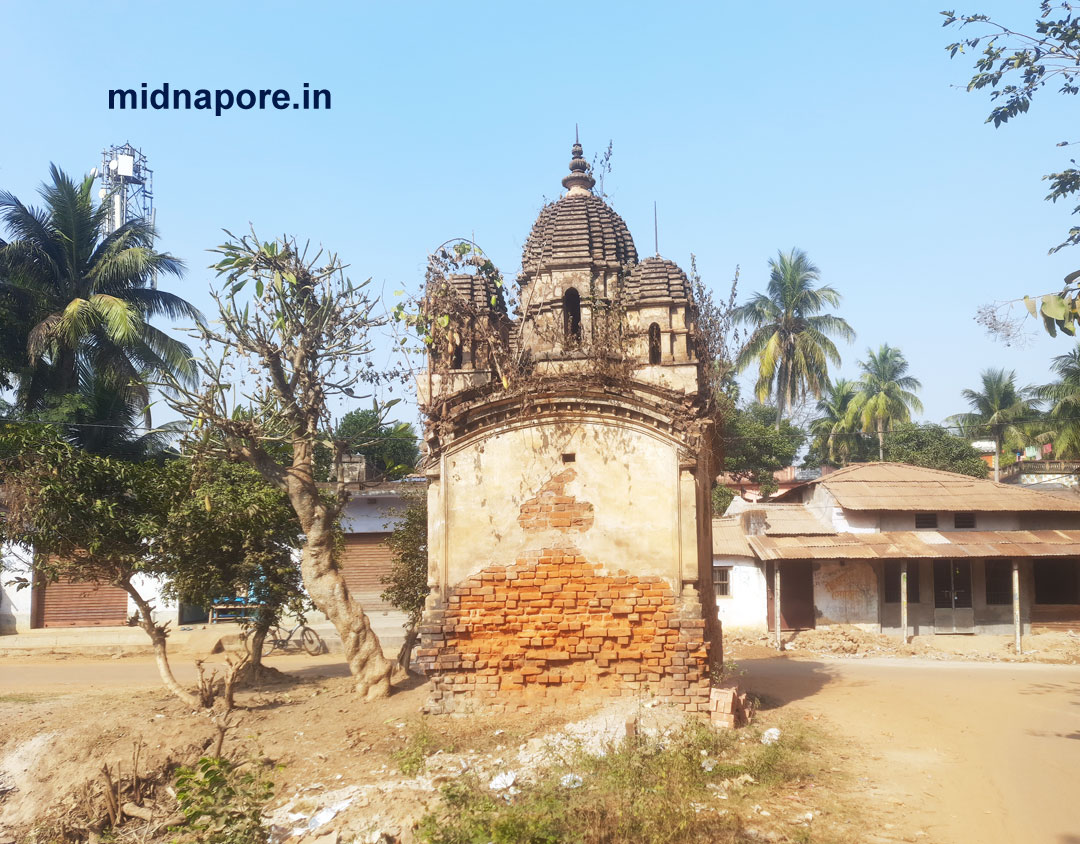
1016,603
903,600
776,604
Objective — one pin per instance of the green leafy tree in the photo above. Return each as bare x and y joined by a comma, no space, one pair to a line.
87,517
390,449
933,447
90,296
1063,396
998,411
755,446
885,395
790,339
407,583
1013,65
229,533
835,437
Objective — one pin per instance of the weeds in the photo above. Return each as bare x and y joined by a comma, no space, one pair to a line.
685,786
412,759
222,803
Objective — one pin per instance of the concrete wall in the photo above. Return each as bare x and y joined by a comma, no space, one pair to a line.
746,606
846,593
14,602
375,513
983,521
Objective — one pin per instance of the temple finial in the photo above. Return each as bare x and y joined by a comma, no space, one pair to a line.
578,181
655,229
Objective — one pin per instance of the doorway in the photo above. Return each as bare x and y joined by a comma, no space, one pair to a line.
953,612
796,596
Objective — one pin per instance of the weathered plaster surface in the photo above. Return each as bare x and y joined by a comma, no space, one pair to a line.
629,475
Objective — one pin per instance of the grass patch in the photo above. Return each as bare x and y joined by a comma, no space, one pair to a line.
23,697
420,743
692,785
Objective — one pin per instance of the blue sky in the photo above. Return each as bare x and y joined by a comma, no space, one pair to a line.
834,127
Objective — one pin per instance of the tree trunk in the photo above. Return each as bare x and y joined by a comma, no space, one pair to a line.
256,639
404,657
880,442
997,459
157,634
327,590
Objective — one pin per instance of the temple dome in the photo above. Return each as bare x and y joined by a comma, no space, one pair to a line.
580,229
657,279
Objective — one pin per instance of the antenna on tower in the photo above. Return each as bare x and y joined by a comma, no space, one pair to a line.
127,185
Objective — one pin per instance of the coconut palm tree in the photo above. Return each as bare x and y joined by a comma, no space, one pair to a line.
834,429
999,410
885,394
91,293
790,338
1063,395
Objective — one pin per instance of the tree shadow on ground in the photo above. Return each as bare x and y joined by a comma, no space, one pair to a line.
778,681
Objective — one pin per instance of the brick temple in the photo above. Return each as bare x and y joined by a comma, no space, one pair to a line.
569,530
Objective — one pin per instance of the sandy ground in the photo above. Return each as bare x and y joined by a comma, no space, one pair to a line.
946,752
961,752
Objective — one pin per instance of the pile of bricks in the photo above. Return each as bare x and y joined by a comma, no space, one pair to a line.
728,707
554,623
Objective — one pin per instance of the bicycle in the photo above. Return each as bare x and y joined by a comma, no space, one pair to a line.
276,638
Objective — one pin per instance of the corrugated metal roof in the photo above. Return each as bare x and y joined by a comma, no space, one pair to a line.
728,539
790,519
932,544
780,519
897,486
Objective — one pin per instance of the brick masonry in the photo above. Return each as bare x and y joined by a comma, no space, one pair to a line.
555,623
553,509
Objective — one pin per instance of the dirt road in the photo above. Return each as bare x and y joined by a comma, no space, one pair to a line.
960,752
57,676
944,752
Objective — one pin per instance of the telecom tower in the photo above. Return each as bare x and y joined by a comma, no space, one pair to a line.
130,184
127,184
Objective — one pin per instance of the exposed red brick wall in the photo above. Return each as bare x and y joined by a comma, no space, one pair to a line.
555,621
553,508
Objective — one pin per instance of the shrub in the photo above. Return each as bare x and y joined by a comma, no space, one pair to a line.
222,802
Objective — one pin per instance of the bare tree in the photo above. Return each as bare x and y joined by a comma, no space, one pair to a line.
272,363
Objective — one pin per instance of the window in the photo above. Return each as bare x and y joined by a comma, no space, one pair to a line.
721,581
654,343
569,457
1057,582
892,582
925,521
456,357
998,582
571,302
963,520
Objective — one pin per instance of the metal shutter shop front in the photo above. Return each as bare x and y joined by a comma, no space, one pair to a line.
365,562
74,603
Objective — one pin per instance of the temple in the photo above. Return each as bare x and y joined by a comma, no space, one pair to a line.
570,467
